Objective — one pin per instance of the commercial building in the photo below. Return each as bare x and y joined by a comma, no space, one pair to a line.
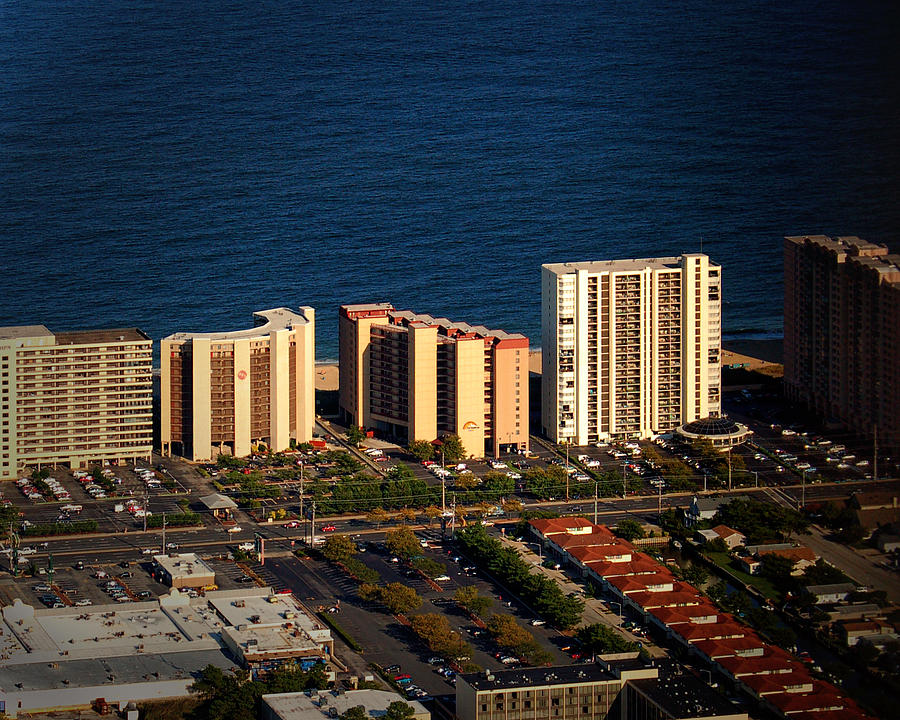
417,377
130,652
74,398
328,704
612,689
842,332
185,570
228,391
631,348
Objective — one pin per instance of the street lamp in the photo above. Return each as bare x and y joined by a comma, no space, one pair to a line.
619,605
803,489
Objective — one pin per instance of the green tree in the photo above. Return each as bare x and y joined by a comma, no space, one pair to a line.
498,483
338,548
630,529
355,435
421,450
452,448
435,631
599,639
398,598
468,598
399,710
776,567
696,575
466,481
377,516
511,506
403,543
357,712
431,568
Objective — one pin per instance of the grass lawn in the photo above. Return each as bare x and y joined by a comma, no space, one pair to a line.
764,585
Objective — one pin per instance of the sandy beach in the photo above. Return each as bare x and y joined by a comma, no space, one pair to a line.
762,355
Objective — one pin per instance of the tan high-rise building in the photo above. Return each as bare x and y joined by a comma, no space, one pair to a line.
74,398
842,332
631,348
417,377
225,392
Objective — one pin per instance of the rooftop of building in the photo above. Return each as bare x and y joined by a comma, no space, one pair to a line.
685,696
715,427
831,588
99,670
447,328
623,265
183,565
107,336
571,525
328,703
12,332
558,675
266,321
871,255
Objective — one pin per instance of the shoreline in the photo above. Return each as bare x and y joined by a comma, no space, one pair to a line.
764,354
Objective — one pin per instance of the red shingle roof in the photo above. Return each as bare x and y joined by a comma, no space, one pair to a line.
691,613
779,682
639,565
693,632
637,583
551,526
734,646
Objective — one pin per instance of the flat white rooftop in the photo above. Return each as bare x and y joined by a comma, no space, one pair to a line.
184,566
320,704
624,265
267,321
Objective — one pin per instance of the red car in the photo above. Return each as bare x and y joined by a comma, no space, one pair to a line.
292,524
329,528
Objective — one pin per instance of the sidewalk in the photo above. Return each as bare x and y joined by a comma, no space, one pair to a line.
594,610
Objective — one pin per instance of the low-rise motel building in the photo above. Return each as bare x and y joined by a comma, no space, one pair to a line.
74,399
677,610
616,687
225,392
418,377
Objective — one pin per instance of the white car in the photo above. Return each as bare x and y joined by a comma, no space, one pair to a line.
148,551
27,550
442,578
235,529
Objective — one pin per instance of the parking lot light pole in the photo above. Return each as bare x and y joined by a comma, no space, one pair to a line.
596,484
755,478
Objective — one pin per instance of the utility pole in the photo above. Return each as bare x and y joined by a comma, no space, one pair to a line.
301,488
453,515
312,525
704,481
567,470
164,534
755,478
659,501
146,507
443,494
596,484
729,469
624,470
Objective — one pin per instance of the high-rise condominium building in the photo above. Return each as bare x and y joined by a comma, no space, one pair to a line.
842,332
227,391
630,347
418,378
73,398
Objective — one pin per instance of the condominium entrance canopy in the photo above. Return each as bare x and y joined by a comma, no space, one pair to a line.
218,502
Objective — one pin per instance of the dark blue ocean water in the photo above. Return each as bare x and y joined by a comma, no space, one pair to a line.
177,165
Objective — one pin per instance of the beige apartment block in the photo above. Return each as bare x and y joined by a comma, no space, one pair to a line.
842,332
417,377
74,399
224,392
631,348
